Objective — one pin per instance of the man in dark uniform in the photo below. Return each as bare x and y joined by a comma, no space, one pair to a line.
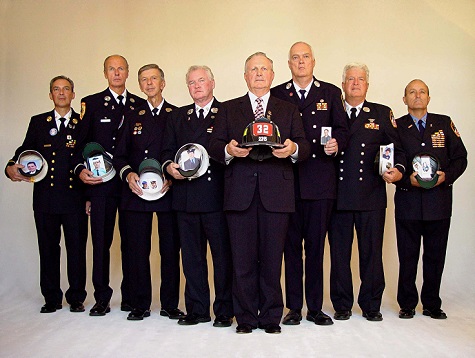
57,199
199,206
141,137
258,195
361,199
320,105
192,162
425,213
102,114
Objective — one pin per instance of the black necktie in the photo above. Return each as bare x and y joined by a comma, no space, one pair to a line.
353,116
420,125
302,97
201,116
154,111
119,100
97,172
63,125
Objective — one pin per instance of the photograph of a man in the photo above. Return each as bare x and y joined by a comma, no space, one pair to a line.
98,168
31,169
326,135
193,161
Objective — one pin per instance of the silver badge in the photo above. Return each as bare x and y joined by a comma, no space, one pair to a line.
316,83
190,111
214,110
132,100
107,98
53,132
288,86
366,109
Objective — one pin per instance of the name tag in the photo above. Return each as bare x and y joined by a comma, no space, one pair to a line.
105,120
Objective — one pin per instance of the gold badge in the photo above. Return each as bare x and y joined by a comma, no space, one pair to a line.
190,111
371,120
366,109
371,126
49,119
452,125
132,100
83,110
322,105
75,121
288,86
316,83
168,109
142,112
214,110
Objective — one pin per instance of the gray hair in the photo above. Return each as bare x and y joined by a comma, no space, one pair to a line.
151,67
303,43
259,53
199,67
359,65
416,79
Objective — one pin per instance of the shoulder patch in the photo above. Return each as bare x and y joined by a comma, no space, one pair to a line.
452,125
392,119
83,110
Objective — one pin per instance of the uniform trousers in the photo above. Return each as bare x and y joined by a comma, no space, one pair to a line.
196,230
48,228
137,228
369,227
309,223
434,235
103,214
257,245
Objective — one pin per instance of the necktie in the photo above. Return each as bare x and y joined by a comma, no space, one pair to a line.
62,126
420,125
259,112
154,111
201,116
302,97
119,101
97,172
353,116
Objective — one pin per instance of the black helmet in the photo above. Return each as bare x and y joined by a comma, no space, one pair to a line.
263,135
426,165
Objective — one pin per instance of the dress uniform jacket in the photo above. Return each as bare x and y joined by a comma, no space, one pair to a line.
360,186
276,178
141,137
101,119
58,201
442,140
203,194
201,220
60,192
323,107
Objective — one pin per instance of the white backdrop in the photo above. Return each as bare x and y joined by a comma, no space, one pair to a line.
398,40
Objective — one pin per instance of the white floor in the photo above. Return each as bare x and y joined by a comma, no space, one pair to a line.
24,332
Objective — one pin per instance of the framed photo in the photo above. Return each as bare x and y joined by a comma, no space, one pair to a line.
326,135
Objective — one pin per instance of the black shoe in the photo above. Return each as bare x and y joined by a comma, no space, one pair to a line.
319,318
342,315
407,313
50,307
374,316
100,308
125,307
292,318
223,321
192,319
244,328
271,328
173,313
138,314
76,307
436,314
